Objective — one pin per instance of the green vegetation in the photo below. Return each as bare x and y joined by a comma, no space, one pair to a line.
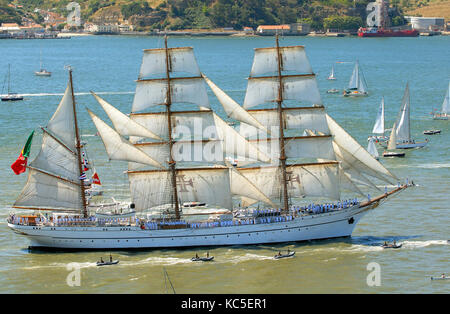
342,23
7,14
135,8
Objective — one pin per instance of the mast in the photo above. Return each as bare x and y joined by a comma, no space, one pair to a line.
172,163
9,77
281,134
78,147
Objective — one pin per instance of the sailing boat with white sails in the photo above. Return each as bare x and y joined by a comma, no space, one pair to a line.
403,125
392,146
378,127
176,156
331,76
10,96
42,71
357,86
443,114
372,149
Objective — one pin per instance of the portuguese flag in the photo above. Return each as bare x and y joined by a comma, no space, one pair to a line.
20,165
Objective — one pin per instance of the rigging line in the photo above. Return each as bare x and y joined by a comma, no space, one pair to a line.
166,275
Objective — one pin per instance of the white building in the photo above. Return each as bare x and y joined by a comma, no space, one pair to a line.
425,23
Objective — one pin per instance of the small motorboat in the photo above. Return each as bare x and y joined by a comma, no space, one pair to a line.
333,91
431,132
443,277
278,256
354,93
393,154
202,259
108,263
391,246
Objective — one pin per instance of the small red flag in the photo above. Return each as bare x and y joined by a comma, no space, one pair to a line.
20,165
96,179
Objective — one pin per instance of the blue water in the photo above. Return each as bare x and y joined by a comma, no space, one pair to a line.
109,65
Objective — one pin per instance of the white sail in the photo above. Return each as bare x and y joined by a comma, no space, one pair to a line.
240,185
185,153
392,144
298,119
301,147
314,180
344,140
344,156
235,144
403,132
356,176
347,183
331,76
119,148
372,149
247,201
195,123
232,108
56,159
354,79
53,181
446,103
299,88
62,122
122,123
357,80
362,86
150,189
378,128
293,59
181,60
150,93
47,192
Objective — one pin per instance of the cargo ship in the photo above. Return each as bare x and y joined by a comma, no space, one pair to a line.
382,32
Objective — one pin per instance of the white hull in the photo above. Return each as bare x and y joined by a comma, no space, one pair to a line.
42,73
310,227
408,145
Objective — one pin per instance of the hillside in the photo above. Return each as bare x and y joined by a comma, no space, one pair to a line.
433,8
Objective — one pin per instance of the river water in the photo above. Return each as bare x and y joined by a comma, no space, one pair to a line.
418,217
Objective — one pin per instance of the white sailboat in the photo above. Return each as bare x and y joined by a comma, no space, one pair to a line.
331,76
10,96
42,71
378,127
403,125
443,114
357,86
392,146
372,149
301,183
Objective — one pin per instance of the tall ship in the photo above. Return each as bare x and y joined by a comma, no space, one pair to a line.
297,177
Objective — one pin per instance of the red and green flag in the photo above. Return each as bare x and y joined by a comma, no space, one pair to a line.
20,165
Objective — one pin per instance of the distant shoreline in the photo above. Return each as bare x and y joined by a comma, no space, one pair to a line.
190,33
